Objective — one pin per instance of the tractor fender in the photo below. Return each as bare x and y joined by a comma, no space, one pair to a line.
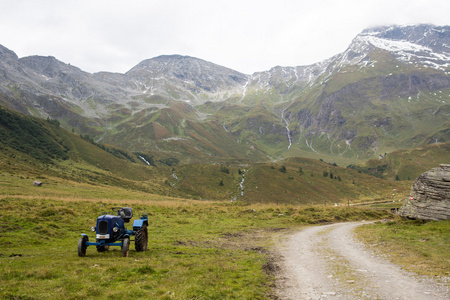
86,240
139,223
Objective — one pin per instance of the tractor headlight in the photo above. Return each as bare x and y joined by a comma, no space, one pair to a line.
115,229
93,229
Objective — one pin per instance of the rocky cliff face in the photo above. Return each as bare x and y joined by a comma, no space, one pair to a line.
430,196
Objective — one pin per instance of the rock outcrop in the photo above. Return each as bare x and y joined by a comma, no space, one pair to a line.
430,196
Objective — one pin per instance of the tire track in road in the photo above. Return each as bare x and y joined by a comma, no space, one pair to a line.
326,262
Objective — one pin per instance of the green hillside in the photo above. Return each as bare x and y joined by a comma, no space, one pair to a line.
30,136
176,132
409,164
349,115
303,181
36,149
361,113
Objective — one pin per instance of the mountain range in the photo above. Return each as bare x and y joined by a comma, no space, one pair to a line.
389,90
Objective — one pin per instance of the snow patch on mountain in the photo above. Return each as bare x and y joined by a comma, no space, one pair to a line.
409,52
410,44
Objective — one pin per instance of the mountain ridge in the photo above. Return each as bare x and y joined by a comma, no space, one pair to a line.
353,105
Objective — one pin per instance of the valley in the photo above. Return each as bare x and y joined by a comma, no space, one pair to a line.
352,128
36,149
229,167
374,98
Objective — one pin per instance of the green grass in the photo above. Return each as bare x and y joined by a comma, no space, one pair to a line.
197,249
409,164
418,246
95,176
265,183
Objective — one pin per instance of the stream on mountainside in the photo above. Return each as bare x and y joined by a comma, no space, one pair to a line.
176,178
286,123
241,184
144,160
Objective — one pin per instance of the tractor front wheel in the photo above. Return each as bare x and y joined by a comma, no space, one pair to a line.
141,238
125,247
82,246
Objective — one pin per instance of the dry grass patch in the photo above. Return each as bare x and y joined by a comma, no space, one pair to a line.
418,246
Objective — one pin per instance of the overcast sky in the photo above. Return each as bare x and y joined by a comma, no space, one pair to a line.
247,36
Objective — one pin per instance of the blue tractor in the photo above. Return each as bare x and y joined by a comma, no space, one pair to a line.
110,231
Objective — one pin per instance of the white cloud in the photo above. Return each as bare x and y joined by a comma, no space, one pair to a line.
244,35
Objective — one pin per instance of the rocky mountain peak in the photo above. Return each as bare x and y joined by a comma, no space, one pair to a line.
6,54
49,66
196,76
426,45
424,34
185,68
163,62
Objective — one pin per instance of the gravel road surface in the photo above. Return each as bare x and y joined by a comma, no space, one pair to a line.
327,262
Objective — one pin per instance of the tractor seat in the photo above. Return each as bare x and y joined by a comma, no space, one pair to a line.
126,213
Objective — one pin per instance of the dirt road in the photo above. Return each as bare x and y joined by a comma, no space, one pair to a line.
326,262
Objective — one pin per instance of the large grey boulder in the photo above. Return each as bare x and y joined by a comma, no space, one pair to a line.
430,196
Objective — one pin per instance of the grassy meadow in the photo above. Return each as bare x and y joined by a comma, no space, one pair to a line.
208,248
418,246
197,249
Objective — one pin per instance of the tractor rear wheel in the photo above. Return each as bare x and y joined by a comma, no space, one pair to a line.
141,238
125,247
82,246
